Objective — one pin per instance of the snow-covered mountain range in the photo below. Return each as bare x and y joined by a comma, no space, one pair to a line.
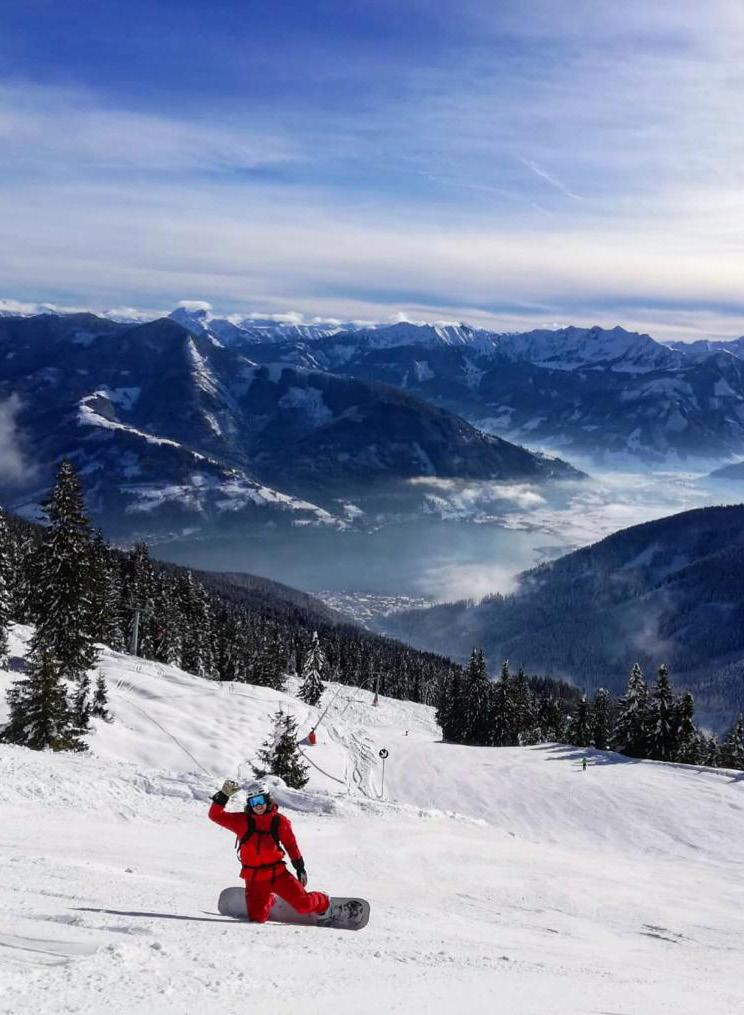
492,873
171,428
609,395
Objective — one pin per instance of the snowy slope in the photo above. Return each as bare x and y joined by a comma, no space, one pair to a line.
500,880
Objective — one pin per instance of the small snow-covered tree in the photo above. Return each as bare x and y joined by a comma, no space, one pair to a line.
62,605
313,669
631,729
280,755
40,715
196,633
601,722
688,747
580,727
106,595
5,585
732,749
663,719
711,753
99,705
503,731
476,701
81,704
449,713
525,710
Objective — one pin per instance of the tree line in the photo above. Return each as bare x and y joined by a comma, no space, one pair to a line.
649,722
78,591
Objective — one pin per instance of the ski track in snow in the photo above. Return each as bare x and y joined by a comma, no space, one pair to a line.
500,880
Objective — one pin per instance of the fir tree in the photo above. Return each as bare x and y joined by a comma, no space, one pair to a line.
476,701
63,611
631,729
503,731
601,722
5,586
580,727
106,595
732,749
279,754
663,719
312,687
688,749
81,705
99,706
711,753
196,632
525,710
138,593
449,714
40,716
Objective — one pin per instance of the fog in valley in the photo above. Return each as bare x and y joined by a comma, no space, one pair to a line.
472,538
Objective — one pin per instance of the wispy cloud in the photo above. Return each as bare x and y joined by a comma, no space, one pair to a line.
549,178
513,168
53,132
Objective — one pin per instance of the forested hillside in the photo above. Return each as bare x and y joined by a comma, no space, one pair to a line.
666,591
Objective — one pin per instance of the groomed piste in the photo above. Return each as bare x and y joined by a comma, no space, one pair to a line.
501,880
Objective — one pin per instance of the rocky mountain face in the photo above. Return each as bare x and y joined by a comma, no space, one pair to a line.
173,429
667,591
607,395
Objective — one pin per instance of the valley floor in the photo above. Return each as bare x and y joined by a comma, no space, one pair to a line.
500,880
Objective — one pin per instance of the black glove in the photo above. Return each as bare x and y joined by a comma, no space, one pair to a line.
299,866
220,798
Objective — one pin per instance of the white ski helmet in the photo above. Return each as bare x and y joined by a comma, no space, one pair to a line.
257,793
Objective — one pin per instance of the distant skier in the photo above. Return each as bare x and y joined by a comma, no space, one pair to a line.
583,764
262,832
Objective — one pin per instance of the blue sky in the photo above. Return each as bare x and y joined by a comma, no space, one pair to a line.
514,164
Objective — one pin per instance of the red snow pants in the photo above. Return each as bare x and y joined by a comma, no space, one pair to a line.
262,885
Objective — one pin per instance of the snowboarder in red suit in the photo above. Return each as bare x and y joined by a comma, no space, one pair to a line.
264,836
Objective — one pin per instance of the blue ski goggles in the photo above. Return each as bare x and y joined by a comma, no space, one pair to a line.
256,801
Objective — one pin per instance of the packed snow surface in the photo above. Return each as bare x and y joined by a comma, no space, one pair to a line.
501,880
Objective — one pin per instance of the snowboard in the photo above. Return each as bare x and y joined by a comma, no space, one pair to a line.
345,914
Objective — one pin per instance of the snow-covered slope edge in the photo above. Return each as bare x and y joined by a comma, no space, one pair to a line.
617,889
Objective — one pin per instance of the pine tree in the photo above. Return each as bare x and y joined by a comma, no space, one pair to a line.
40,716
551,720
449,714
166,621
525,710
476,701
503,725
312,687
196,631
138,593
22,554
106,595
81,705
63,611
732,749
601,724
688,750
5,586
279,754
711,753
99,707
663,719
580,727
632,726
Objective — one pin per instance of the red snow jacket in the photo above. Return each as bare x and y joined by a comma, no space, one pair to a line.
260,851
